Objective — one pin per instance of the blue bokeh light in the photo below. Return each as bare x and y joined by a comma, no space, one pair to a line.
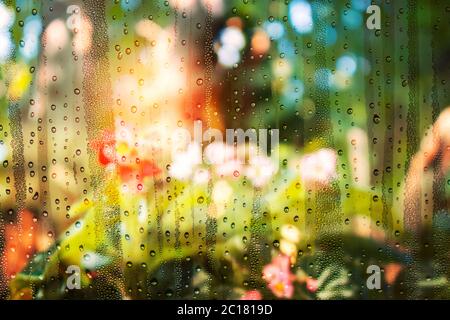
300,16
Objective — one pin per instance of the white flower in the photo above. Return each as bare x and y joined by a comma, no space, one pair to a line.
153,139
223,156
290,233
218,153
185,162
319,166
222,192
229,168
124,134
180,169
288,248
260,170
201,176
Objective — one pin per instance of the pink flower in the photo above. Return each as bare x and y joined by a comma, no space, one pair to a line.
252,295
279,277
312,284
260,170
224,158
319,166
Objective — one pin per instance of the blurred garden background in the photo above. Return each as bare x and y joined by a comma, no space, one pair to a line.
91,91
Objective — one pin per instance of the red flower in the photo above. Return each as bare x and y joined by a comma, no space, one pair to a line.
279,277
391,272
125,171
148,168
20,243
252,295
312,284
105,147
142,169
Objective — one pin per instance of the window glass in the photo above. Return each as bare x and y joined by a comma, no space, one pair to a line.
224,149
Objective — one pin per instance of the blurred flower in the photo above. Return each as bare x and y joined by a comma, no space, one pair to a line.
82,39
221,192
142,169
147,168
20,242
113,148
260,170
319,166
290,233
229,168
180,169
290,237
105,147
55,37
218,153
391,272
358,156
159,79
201,176
252,295
312,284
184,162
224,159
153,140
289,249
279,278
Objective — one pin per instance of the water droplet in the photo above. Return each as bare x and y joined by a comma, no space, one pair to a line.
376,119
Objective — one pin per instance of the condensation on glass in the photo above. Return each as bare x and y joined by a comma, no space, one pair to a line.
212,149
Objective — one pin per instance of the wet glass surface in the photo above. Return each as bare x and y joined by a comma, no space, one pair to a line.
212,149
